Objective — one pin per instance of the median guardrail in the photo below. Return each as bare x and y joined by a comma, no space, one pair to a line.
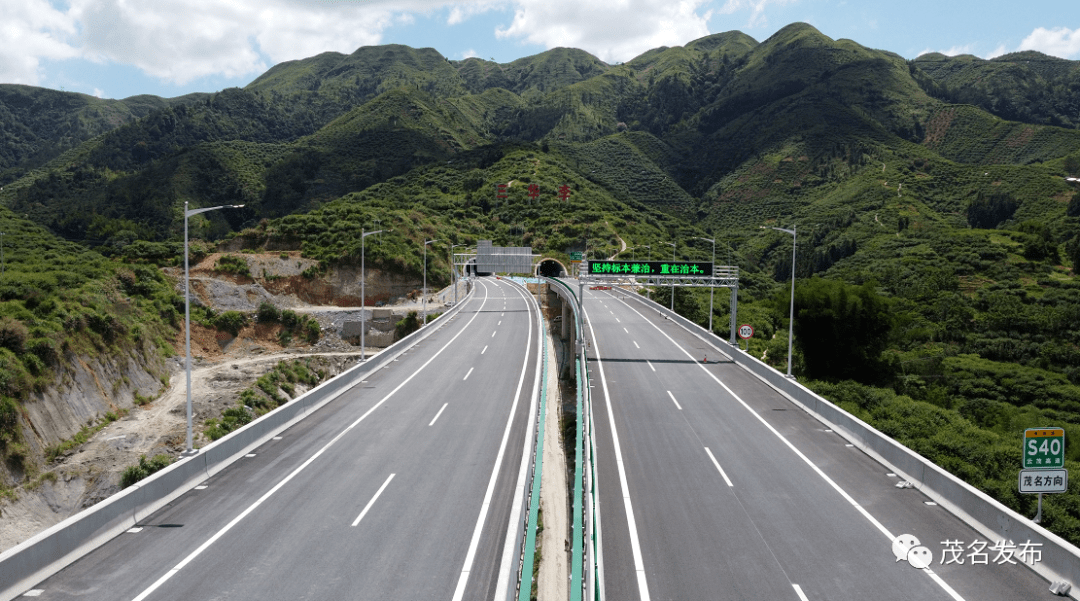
1060,559
586,565
51,550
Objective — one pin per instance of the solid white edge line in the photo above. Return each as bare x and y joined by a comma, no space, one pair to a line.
438,414
674,401
650,365
798,591
511,546
299,469
717,464
373,499
866,514
631,523
470,556
468,374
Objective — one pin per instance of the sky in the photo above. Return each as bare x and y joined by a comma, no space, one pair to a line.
120,48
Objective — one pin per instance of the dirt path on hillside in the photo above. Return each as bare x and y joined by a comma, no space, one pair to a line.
223,366
91,472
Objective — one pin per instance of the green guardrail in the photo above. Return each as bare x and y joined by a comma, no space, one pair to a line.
584,564
525,592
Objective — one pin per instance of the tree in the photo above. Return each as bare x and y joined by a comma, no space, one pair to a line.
840,329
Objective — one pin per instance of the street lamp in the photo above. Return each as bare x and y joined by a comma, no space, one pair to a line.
650,259
672,244
363,326
791,315
425,278
453,270
187,311
711,288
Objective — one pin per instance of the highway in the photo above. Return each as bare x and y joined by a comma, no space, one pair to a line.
714,486
401,488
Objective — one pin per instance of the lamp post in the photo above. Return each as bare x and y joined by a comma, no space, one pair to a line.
791,315
711,288
453,271
3,265
650,259
363,279
672,244
425,278
189,450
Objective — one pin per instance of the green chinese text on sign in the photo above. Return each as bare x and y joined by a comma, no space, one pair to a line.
651,268
1044,448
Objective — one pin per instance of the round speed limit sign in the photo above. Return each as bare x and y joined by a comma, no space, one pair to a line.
746,331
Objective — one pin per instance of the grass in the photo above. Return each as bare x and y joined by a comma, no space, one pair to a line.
264,395
82,436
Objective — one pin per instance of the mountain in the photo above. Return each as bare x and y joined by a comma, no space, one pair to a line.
1028,86
37,124
933,192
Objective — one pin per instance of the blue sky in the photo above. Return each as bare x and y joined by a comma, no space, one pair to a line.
119,48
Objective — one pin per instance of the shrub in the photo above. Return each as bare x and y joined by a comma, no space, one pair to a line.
231,264
407,326
134,473
312,330
9,422
232,418
268,313
284,337
289,318
231,321
12,334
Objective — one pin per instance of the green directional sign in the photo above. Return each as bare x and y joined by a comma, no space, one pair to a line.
575,256
655,268
1044,448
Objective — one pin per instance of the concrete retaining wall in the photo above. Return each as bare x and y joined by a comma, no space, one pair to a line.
1060,559
49,551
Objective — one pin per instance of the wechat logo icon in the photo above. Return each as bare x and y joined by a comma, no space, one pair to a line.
907,547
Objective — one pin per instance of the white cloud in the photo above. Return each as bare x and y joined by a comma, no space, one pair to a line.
756,8
470,53
954,51
99,93
1059,41
613,31
1001,49
181,40
32,30
459,13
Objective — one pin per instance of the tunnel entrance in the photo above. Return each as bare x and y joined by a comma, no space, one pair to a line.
550,268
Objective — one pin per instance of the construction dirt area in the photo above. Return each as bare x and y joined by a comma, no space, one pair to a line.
222,367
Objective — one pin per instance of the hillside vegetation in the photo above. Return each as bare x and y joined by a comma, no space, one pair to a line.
930,198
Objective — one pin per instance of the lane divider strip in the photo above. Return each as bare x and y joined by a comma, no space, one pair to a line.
373,499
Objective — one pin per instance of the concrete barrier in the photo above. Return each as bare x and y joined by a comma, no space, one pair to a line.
48,552
1060,559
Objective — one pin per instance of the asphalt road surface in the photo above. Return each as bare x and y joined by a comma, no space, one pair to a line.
402,488
714,486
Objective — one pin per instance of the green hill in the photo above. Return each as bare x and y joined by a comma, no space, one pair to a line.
1029,86
930,199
